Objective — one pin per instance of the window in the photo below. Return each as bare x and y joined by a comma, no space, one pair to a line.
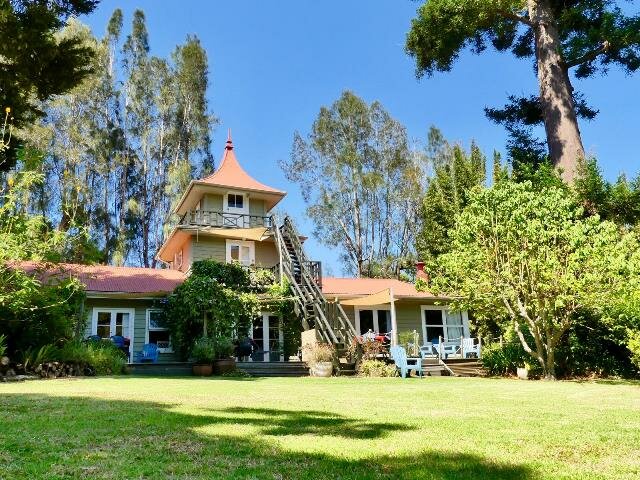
442,322
157,333
235,201
241,252
433,325
378,321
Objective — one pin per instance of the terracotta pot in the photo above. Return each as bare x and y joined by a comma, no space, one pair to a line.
202,370
224,365
523,373
322,369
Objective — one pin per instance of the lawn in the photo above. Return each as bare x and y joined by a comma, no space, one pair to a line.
303,428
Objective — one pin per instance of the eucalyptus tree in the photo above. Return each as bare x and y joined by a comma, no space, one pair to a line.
583,37
361,184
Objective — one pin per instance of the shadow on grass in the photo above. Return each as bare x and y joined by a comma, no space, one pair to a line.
79,437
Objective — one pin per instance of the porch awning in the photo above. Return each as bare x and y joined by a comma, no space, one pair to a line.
258,233
379,298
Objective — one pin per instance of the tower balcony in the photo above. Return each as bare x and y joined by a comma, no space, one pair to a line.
216,219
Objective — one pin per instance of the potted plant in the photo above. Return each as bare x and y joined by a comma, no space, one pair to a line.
523,372
203,353
320,359
224,362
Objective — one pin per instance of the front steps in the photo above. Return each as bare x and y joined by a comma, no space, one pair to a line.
274,369
465,367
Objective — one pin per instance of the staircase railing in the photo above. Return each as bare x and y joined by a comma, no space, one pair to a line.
305,277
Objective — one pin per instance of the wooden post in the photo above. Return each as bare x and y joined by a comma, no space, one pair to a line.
500,341
462,347
440,348
205,325
394,322
479,347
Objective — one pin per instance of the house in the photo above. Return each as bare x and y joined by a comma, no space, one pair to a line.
228,216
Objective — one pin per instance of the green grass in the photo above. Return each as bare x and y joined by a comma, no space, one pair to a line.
302,428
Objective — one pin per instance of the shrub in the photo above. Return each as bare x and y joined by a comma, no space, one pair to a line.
504,359
203,351
104,358
411,343
34,357
3,345
376,368
223,348
371,349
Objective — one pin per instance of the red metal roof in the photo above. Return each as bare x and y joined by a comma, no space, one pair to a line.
367,286
231,174
103,278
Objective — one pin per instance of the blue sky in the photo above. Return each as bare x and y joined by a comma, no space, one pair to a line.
273,64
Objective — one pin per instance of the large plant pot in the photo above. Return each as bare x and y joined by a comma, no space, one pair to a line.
523,373
202,370
225,365
322,369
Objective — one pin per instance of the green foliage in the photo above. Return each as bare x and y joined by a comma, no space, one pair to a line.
203,351
503,359
528,253
215,301
122,146
634,346
411,342
95,358
455,173
361,185
591,36
377,368
36,63
618,202
3,345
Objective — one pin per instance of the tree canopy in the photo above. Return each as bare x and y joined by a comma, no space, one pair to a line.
361,184
586,37
36,63
529,254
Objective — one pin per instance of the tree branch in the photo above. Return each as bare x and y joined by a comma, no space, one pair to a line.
587,57
518,18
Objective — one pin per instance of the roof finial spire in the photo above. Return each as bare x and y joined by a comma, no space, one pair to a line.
229,141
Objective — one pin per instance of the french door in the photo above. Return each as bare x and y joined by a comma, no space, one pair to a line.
267,333
108,322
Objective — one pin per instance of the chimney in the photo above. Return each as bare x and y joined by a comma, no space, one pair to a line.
420,273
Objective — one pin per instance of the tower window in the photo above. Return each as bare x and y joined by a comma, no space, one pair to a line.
235,201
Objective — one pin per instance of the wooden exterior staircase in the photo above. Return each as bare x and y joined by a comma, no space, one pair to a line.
305,277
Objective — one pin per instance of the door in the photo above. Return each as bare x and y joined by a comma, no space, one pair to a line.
109,322
267,333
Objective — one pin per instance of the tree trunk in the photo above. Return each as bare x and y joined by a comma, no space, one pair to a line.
556,92
550,367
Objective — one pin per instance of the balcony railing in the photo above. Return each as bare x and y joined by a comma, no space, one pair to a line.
209,218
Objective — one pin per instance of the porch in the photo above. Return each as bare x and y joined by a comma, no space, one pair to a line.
220,219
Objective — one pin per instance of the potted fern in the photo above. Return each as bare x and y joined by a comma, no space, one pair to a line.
224,361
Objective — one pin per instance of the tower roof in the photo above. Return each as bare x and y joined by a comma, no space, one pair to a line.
231,174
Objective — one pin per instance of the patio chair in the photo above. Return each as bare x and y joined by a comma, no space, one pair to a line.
426,351
469,347
149,353
118,340
399,356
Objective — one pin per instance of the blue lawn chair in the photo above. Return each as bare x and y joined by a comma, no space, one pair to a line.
399,356
118,340
149,353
